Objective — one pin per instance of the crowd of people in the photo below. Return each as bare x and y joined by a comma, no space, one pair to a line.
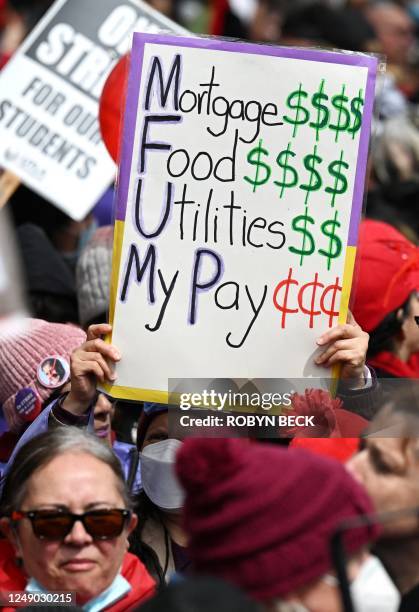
97,498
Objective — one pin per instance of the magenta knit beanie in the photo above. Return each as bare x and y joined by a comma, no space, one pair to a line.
261,517
22,351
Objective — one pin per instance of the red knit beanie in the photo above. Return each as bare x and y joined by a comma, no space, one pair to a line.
261,517
341,449
332,420
388,273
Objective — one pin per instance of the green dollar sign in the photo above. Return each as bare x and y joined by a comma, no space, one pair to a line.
302,221
335,169
282,161
294,103
309,163
356,105
335,243
339,103
253,158
322,110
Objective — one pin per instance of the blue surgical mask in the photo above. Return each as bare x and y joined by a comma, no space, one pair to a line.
116,591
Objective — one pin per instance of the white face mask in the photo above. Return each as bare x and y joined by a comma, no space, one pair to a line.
158,475
373,589
290,606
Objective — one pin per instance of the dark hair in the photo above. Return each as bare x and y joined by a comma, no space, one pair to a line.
26,206
125,419
395,203
49,282
42,449
145,509
103,316
382,338
53,308
203,594
346,27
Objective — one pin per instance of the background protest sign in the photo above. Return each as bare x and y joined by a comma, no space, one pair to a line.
50,92
239,198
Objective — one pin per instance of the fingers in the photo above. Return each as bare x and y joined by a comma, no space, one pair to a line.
339,345
92,359
346,357
89,358
88,369
100,346
341,332
347,345
98,330
349,352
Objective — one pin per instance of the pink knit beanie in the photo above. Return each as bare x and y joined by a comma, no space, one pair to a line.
23,351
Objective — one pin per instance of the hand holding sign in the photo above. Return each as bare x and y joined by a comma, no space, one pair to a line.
90,364
237,214
348,346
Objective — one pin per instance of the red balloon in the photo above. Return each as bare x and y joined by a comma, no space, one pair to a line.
111,106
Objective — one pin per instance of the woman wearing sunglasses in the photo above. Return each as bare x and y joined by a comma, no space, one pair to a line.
66,514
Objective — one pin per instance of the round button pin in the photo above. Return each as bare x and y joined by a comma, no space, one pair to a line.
53,372
27,404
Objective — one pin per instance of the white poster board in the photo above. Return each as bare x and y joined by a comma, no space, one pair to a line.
239,198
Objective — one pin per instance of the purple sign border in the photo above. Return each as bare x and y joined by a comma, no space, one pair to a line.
128,131
133,90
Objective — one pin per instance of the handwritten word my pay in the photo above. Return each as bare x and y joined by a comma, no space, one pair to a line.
211,220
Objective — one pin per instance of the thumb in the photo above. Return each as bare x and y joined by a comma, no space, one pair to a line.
98,330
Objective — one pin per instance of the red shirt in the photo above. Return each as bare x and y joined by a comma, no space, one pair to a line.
12,578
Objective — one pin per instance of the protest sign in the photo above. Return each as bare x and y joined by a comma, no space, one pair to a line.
49,98
240,193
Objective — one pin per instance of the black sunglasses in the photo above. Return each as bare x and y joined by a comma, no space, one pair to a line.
57,524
